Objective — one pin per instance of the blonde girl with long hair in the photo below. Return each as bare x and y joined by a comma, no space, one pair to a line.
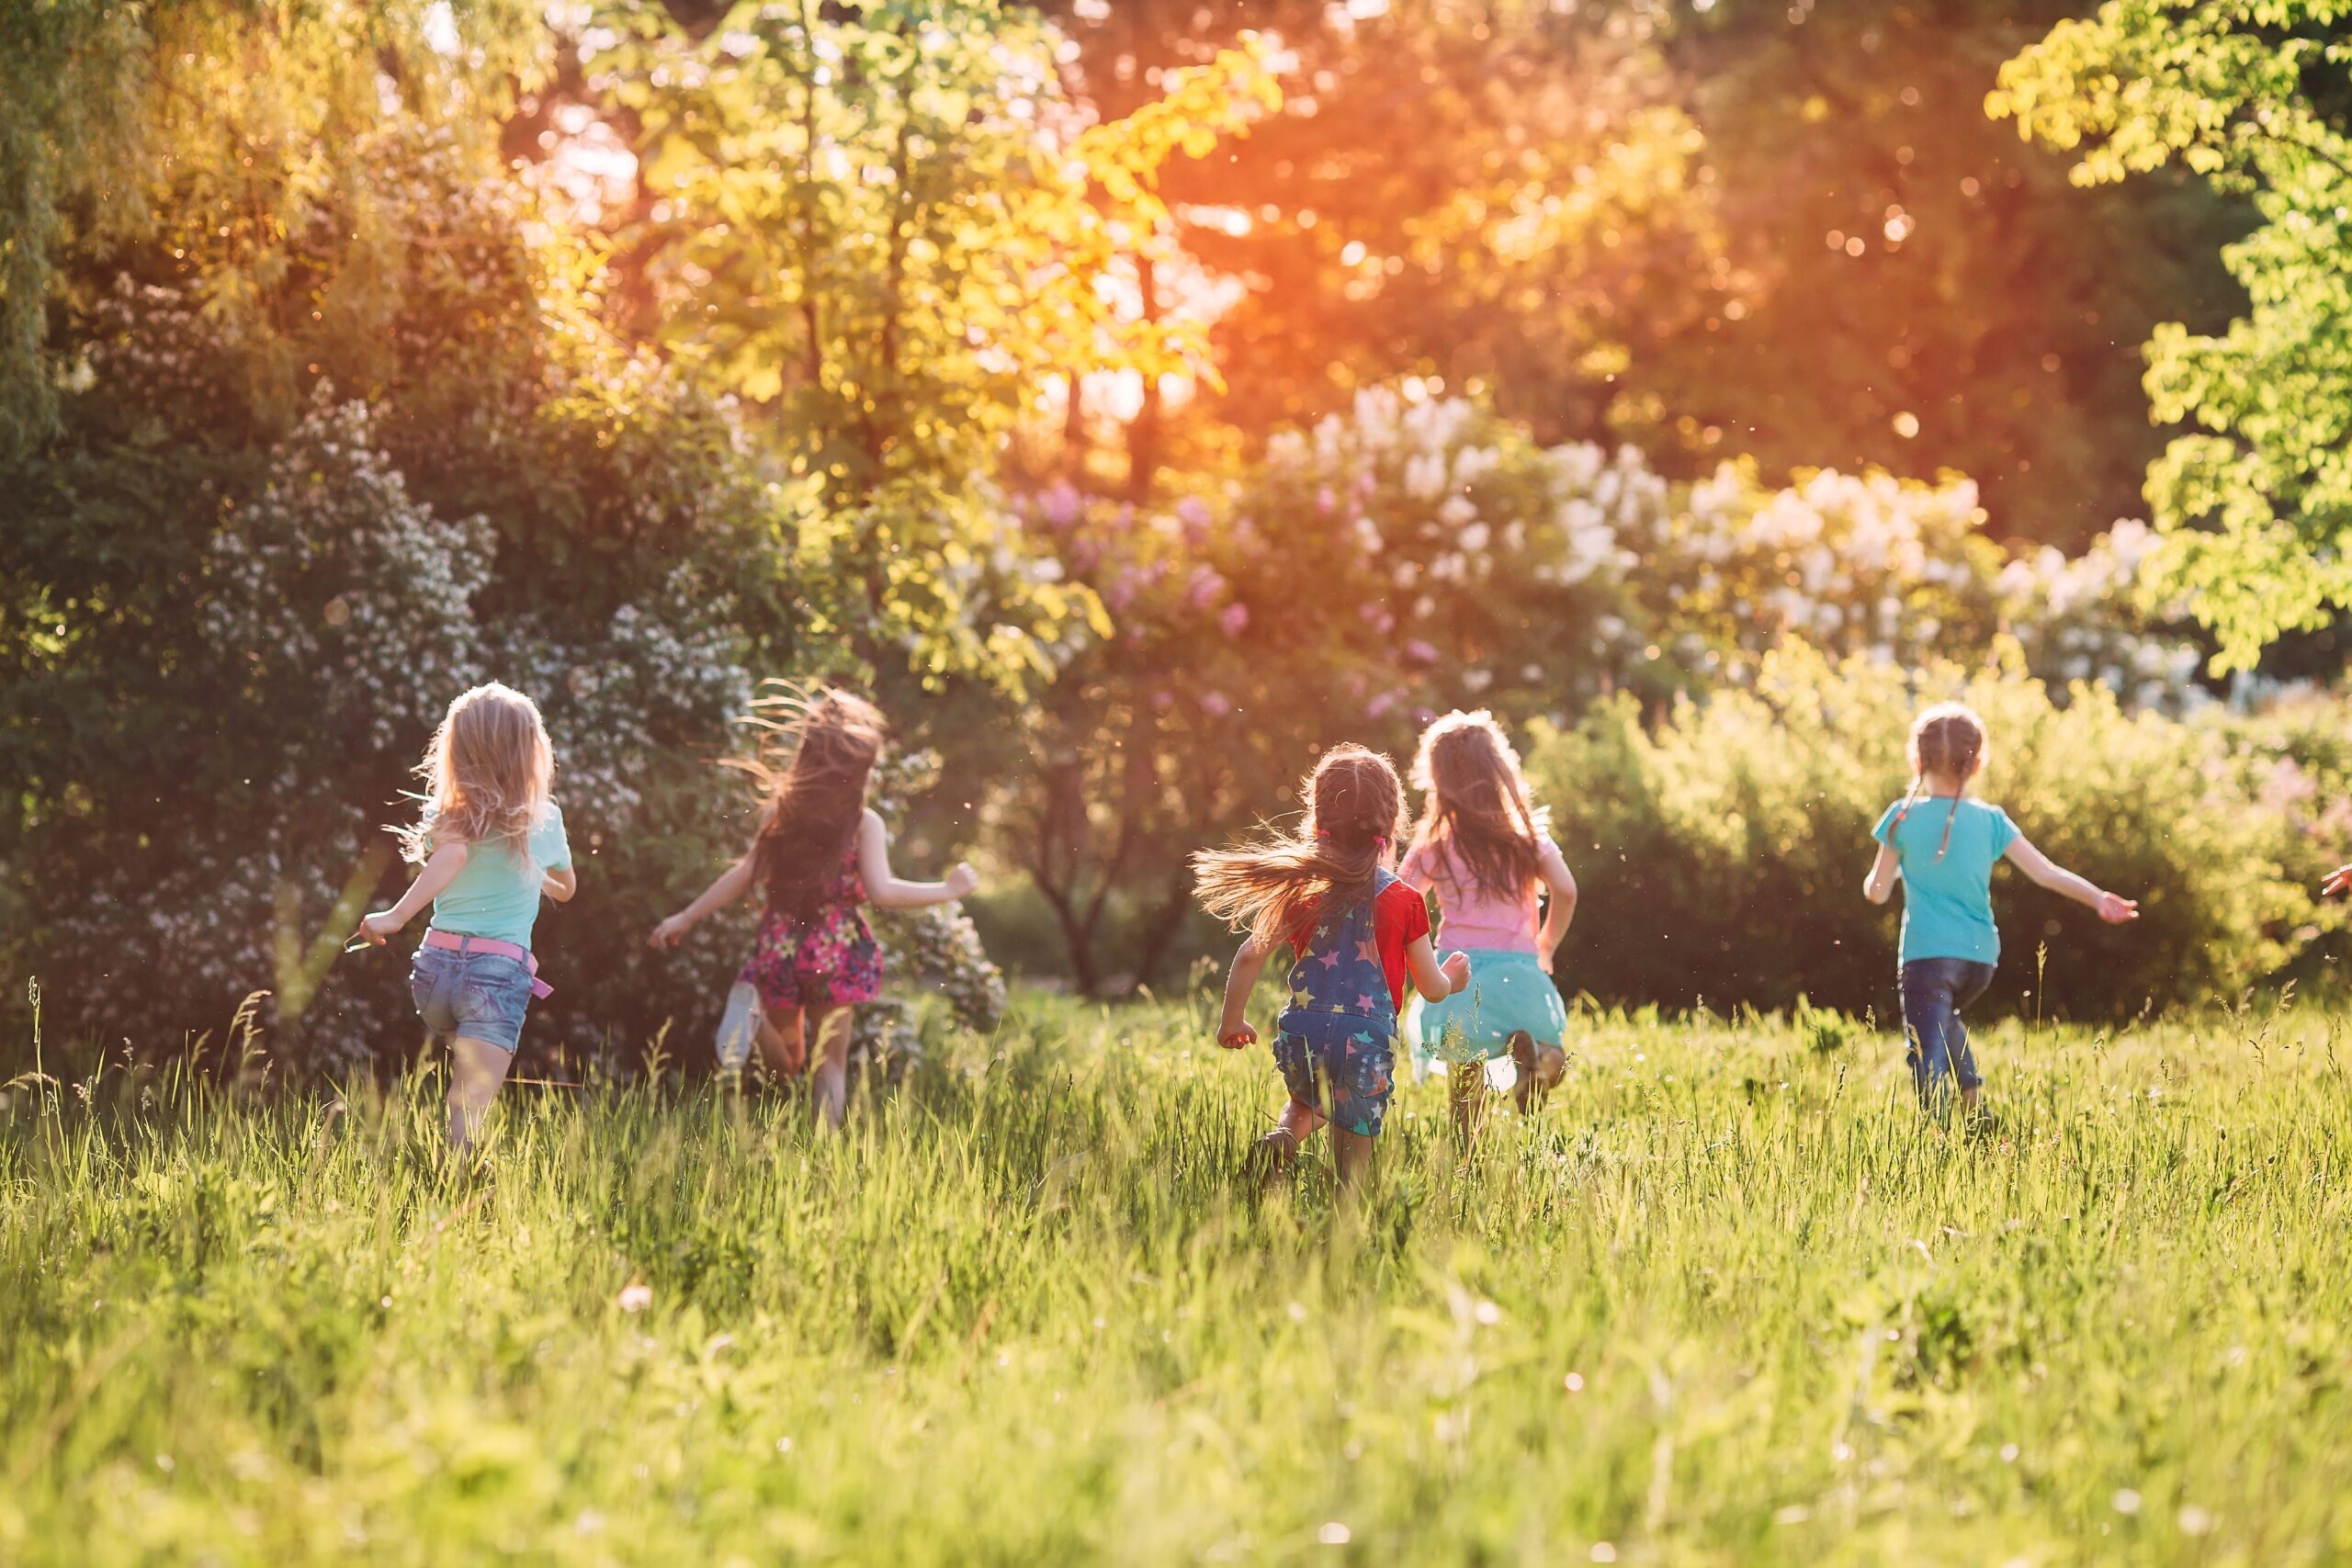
1505,896
1942,845
820,855
1356,935
489,843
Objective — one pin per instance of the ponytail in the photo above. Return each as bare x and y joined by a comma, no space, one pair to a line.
1277,884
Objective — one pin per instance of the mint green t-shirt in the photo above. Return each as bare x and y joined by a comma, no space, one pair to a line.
1948,903
497,894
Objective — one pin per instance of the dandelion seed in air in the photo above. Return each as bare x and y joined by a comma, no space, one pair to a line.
635,1297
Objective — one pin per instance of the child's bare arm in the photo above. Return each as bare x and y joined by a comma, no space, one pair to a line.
432,878
729,886
2040,868
1879,886
885,890
1436,981
559,884
1562,908
1232,1030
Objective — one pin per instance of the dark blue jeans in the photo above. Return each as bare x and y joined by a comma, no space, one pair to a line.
1934,992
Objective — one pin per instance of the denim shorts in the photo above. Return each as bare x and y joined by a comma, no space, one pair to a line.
1355,1053
482,996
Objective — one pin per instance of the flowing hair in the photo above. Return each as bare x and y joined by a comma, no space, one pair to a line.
816,799
1476,804
1275,887
1949,741
487,773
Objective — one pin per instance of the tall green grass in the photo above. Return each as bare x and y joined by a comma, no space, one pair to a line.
1727,1299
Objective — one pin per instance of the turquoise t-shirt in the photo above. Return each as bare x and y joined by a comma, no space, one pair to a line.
1948,903
497,895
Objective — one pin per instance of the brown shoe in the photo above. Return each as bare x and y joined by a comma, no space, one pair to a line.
1272,1156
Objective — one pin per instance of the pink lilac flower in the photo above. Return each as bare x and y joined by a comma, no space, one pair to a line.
1060,504
1421,652
1234,620
1206,587
1380,705
1216,704
1325,501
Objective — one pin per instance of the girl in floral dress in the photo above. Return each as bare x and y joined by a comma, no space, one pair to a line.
821,854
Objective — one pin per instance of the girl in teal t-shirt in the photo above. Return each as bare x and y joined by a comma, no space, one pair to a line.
1944,846
490,845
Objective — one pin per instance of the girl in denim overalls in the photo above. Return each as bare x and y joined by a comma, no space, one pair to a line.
1355,932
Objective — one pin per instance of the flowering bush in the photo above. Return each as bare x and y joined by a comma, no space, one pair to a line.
1415,553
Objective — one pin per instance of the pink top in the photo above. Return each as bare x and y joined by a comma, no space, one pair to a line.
1480,917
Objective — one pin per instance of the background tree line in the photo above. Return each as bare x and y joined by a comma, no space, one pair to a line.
1014,362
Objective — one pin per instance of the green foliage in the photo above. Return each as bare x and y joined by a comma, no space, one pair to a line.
1725,1300
2251,95
1904,287
1721,856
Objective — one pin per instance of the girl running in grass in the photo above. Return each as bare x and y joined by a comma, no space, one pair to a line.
490,843
1944,846
1355,932
821,853
1487,853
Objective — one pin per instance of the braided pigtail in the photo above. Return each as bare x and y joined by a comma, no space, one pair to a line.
1947,741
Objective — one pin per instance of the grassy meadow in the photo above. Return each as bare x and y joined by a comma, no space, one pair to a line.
1725,1300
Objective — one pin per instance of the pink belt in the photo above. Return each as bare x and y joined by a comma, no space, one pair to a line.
497,949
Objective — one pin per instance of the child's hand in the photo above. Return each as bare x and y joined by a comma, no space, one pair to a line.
670,932
962,880
1239,1035
2338,881
1457,969
1543,958
378,927
2115,909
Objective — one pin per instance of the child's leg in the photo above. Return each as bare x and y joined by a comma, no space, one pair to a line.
830,1076
783,1045
477,1068
1539,1069
1298,1120
1929,1019
1352,1153
1466,1094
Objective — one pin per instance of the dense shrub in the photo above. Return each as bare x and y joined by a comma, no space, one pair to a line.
1722,851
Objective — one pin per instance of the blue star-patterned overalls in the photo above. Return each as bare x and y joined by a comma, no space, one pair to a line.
1340,1026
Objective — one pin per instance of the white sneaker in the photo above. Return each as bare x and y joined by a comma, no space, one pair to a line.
738,1026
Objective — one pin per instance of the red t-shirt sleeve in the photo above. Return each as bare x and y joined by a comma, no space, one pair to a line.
1398,920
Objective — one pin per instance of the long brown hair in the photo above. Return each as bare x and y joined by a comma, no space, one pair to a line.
1947,740
487,772
815,801
1355,808
1476,803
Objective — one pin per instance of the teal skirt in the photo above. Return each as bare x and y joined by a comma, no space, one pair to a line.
1509,994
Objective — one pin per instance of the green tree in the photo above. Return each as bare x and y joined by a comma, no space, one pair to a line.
1907,287
2254,97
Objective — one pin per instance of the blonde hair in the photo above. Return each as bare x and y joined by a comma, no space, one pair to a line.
1947,739
1476,803
1276,886
487,773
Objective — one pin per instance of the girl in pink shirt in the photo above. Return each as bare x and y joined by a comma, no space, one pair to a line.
1487,853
